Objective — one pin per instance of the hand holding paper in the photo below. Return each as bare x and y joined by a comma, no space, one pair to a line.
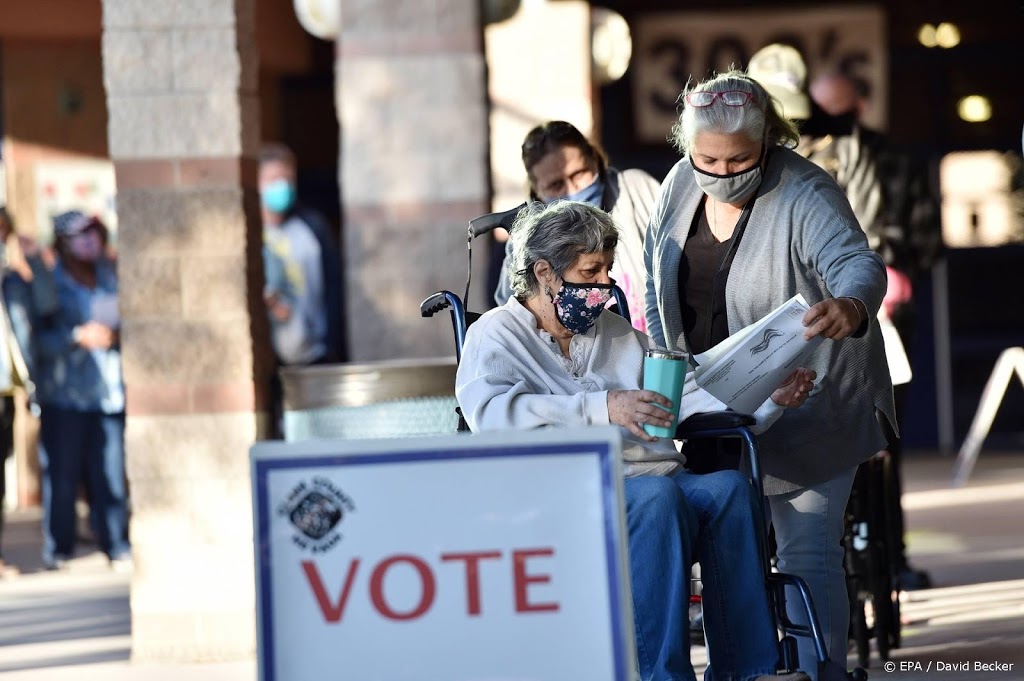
745,369
835,318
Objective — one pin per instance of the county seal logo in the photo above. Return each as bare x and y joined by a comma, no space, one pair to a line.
316,508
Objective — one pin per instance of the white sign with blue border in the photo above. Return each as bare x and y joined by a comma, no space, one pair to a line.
491,557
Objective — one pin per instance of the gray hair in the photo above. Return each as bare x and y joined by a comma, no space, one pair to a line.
559,232
759,119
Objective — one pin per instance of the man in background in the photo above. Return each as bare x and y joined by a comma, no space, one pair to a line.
302,268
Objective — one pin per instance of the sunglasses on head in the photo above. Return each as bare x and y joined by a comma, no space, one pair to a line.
703,98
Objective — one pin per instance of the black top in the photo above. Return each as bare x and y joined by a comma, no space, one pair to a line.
705,322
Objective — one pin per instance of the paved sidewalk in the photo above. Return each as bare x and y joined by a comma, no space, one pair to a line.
76,625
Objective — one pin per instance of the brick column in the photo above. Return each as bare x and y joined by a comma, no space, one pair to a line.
412,106
181,82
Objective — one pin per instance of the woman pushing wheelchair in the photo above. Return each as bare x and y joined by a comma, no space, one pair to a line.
549,357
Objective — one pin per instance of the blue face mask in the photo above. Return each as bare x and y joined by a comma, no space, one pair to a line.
277,196
591,194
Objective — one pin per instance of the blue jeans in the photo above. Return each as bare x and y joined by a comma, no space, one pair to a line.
708,518
809,527
87,447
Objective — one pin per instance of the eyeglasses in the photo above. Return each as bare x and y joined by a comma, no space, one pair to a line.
703,98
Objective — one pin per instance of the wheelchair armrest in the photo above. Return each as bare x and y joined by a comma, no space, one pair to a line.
712,420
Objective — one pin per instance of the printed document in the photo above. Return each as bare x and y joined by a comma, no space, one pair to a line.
746,368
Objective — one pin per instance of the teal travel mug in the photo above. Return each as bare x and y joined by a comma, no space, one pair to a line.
664,373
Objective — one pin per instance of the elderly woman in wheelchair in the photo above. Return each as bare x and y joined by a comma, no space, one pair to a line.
549,357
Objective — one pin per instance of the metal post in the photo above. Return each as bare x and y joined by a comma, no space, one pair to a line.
943,356
991,397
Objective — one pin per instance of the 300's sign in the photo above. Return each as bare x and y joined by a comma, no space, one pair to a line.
674,48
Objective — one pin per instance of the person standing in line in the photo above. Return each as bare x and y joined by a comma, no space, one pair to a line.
839,146
908,236
743,224
302,272
15,360
561,163
81,396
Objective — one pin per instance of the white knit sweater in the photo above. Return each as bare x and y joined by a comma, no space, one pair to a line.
513,375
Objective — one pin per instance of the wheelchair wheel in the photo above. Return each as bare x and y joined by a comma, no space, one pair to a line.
896,635
859,630
893,541
881,601
856,562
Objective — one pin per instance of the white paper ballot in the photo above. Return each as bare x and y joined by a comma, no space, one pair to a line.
745,369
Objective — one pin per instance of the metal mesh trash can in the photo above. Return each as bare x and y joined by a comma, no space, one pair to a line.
402,398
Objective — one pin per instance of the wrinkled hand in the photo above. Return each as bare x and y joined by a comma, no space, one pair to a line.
794,392
95,336
835,318
279,310
631,409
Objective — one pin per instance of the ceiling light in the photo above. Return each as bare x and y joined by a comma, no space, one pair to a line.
926,35
947,35
974,109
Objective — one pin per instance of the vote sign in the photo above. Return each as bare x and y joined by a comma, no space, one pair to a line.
465,557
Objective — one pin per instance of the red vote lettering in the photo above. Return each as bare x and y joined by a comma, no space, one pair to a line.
377,588
332,613
472,575
522,580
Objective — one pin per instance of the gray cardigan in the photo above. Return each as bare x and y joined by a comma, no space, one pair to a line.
802,237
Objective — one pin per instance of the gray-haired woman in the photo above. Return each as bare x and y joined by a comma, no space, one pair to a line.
743,224
548,357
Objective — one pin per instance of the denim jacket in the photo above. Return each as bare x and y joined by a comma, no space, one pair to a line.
67,375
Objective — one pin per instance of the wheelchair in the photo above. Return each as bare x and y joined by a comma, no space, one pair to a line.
871,543
712,425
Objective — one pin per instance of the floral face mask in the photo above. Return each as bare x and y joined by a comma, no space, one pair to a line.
578,305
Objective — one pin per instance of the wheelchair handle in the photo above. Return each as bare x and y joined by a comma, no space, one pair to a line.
445,299
435,303
487,223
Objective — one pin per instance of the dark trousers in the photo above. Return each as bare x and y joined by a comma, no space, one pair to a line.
87,447
6,448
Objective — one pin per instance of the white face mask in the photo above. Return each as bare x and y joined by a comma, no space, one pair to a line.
731,188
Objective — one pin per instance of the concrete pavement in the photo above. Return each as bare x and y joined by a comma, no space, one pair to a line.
75,624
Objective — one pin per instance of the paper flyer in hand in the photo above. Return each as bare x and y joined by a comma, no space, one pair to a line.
746,368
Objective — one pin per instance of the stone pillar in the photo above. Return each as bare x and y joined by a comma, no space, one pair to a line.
411,102
181,83
559,36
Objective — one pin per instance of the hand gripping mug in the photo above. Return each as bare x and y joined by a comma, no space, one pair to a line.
664,373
